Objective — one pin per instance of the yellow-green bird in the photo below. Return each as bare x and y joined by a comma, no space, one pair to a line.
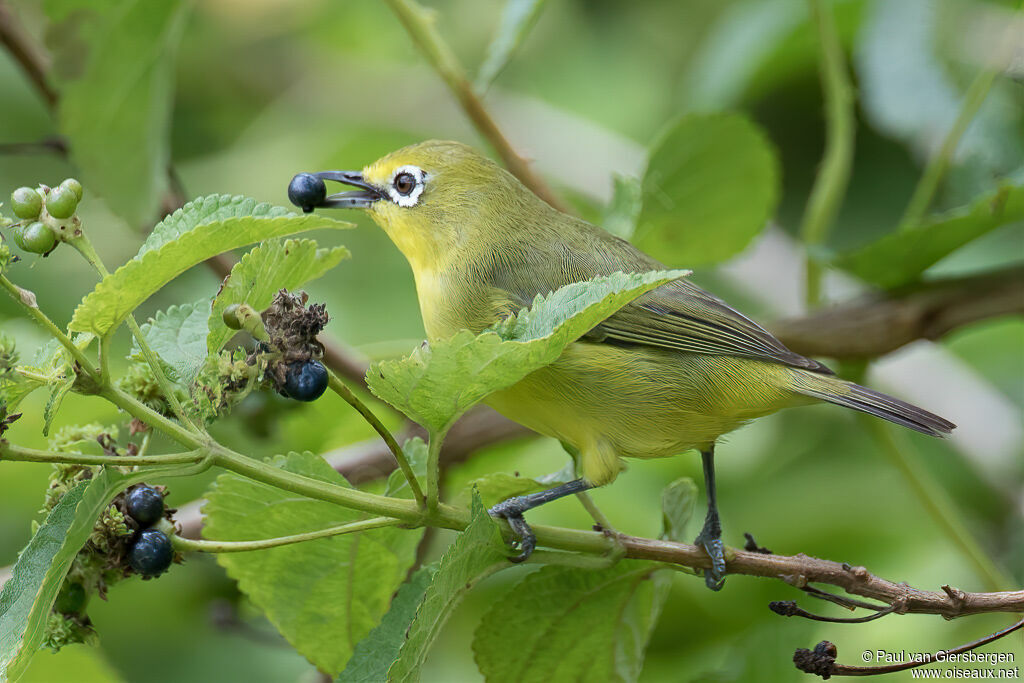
672,371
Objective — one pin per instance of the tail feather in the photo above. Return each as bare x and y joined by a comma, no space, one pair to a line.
878,404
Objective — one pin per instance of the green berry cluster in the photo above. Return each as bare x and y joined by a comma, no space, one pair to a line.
46,213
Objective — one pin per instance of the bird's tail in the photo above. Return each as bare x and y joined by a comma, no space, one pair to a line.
835,390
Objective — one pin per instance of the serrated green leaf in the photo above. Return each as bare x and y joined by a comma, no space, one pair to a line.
475,554
517,18
178,337
117,115
57,394
900,257
28,596
262,272
324,596
566,624
212,208
124,290
711,185
439,382
376,652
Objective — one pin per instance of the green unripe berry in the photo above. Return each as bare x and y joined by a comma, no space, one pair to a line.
74,186
230,317
38,239
61,202
72,598
26,203
18,235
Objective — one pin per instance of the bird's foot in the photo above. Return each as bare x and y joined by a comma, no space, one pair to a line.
512,511
714,578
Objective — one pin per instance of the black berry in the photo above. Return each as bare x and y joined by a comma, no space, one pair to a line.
306,191
145,505
305,381
151,554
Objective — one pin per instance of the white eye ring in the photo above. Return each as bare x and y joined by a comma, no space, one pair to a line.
413,197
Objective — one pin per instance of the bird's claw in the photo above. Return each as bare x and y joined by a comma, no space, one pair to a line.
714,578
511,510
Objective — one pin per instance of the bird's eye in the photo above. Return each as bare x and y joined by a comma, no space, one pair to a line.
405,183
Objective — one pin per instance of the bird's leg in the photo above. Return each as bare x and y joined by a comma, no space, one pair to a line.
513,509
710,537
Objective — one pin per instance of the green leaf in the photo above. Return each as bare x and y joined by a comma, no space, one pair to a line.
566,624
324,596
475,554
124,290
900,257
517,18
178,337
262,272
57,394
117,115
711,185
376,652
437,383
28,596
206,210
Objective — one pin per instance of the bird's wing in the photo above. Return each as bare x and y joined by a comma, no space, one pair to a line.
684,317
678,315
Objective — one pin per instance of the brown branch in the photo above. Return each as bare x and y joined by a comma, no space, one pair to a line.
882,322
822,660
24,52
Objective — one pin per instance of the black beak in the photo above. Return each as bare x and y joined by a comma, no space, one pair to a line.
308,191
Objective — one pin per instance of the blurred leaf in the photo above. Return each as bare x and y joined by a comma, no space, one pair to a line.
900,257
178,337
907,91
623,210
564,623
117,115
263,271
439,382
28,596
190,237
475,554
375,653
711,185
324,596
742,40
517,18
677,503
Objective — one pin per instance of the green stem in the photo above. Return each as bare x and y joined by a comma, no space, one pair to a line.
84,247
145,414
434,469
14,453
936,501
342,390
17,293
187,544
834,174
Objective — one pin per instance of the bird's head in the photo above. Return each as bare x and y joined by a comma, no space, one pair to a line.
432,198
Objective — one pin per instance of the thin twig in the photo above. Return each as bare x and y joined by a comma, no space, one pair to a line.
789,608
419,23
25,53
834,174
822,660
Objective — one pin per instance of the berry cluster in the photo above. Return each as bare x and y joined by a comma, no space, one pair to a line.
150,552
44,211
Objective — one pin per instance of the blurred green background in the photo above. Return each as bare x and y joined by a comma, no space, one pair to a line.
267,88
